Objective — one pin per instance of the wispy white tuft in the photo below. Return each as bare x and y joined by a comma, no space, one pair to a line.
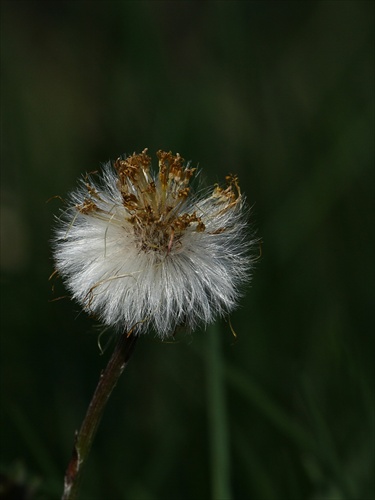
139,250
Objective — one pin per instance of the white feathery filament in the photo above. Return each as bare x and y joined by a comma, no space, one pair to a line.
138,249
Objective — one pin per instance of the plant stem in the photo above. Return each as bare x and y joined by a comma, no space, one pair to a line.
86,434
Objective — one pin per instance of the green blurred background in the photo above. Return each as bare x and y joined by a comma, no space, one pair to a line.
281,93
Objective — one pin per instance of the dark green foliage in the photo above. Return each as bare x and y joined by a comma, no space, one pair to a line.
281,93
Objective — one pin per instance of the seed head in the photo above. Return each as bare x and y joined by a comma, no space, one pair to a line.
140,250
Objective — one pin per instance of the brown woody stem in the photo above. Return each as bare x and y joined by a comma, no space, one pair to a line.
86,434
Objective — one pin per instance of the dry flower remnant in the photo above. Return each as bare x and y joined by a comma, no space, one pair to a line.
140,250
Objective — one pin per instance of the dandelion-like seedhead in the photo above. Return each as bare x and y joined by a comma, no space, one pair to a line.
139,250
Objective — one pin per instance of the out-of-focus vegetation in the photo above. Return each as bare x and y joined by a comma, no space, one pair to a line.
281,93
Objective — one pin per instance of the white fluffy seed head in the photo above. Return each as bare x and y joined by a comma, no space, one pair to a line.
139,250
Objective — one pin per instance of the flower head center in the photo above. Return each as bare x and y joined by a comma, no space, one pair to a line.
156,203
158,206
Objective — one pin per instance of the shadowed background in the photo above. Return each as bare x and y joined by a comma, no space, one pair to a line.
281,93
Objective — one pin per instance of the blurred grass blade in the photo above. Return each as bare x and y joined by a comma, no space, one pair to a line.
258,397
327,448
258,481
38,450
220,462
